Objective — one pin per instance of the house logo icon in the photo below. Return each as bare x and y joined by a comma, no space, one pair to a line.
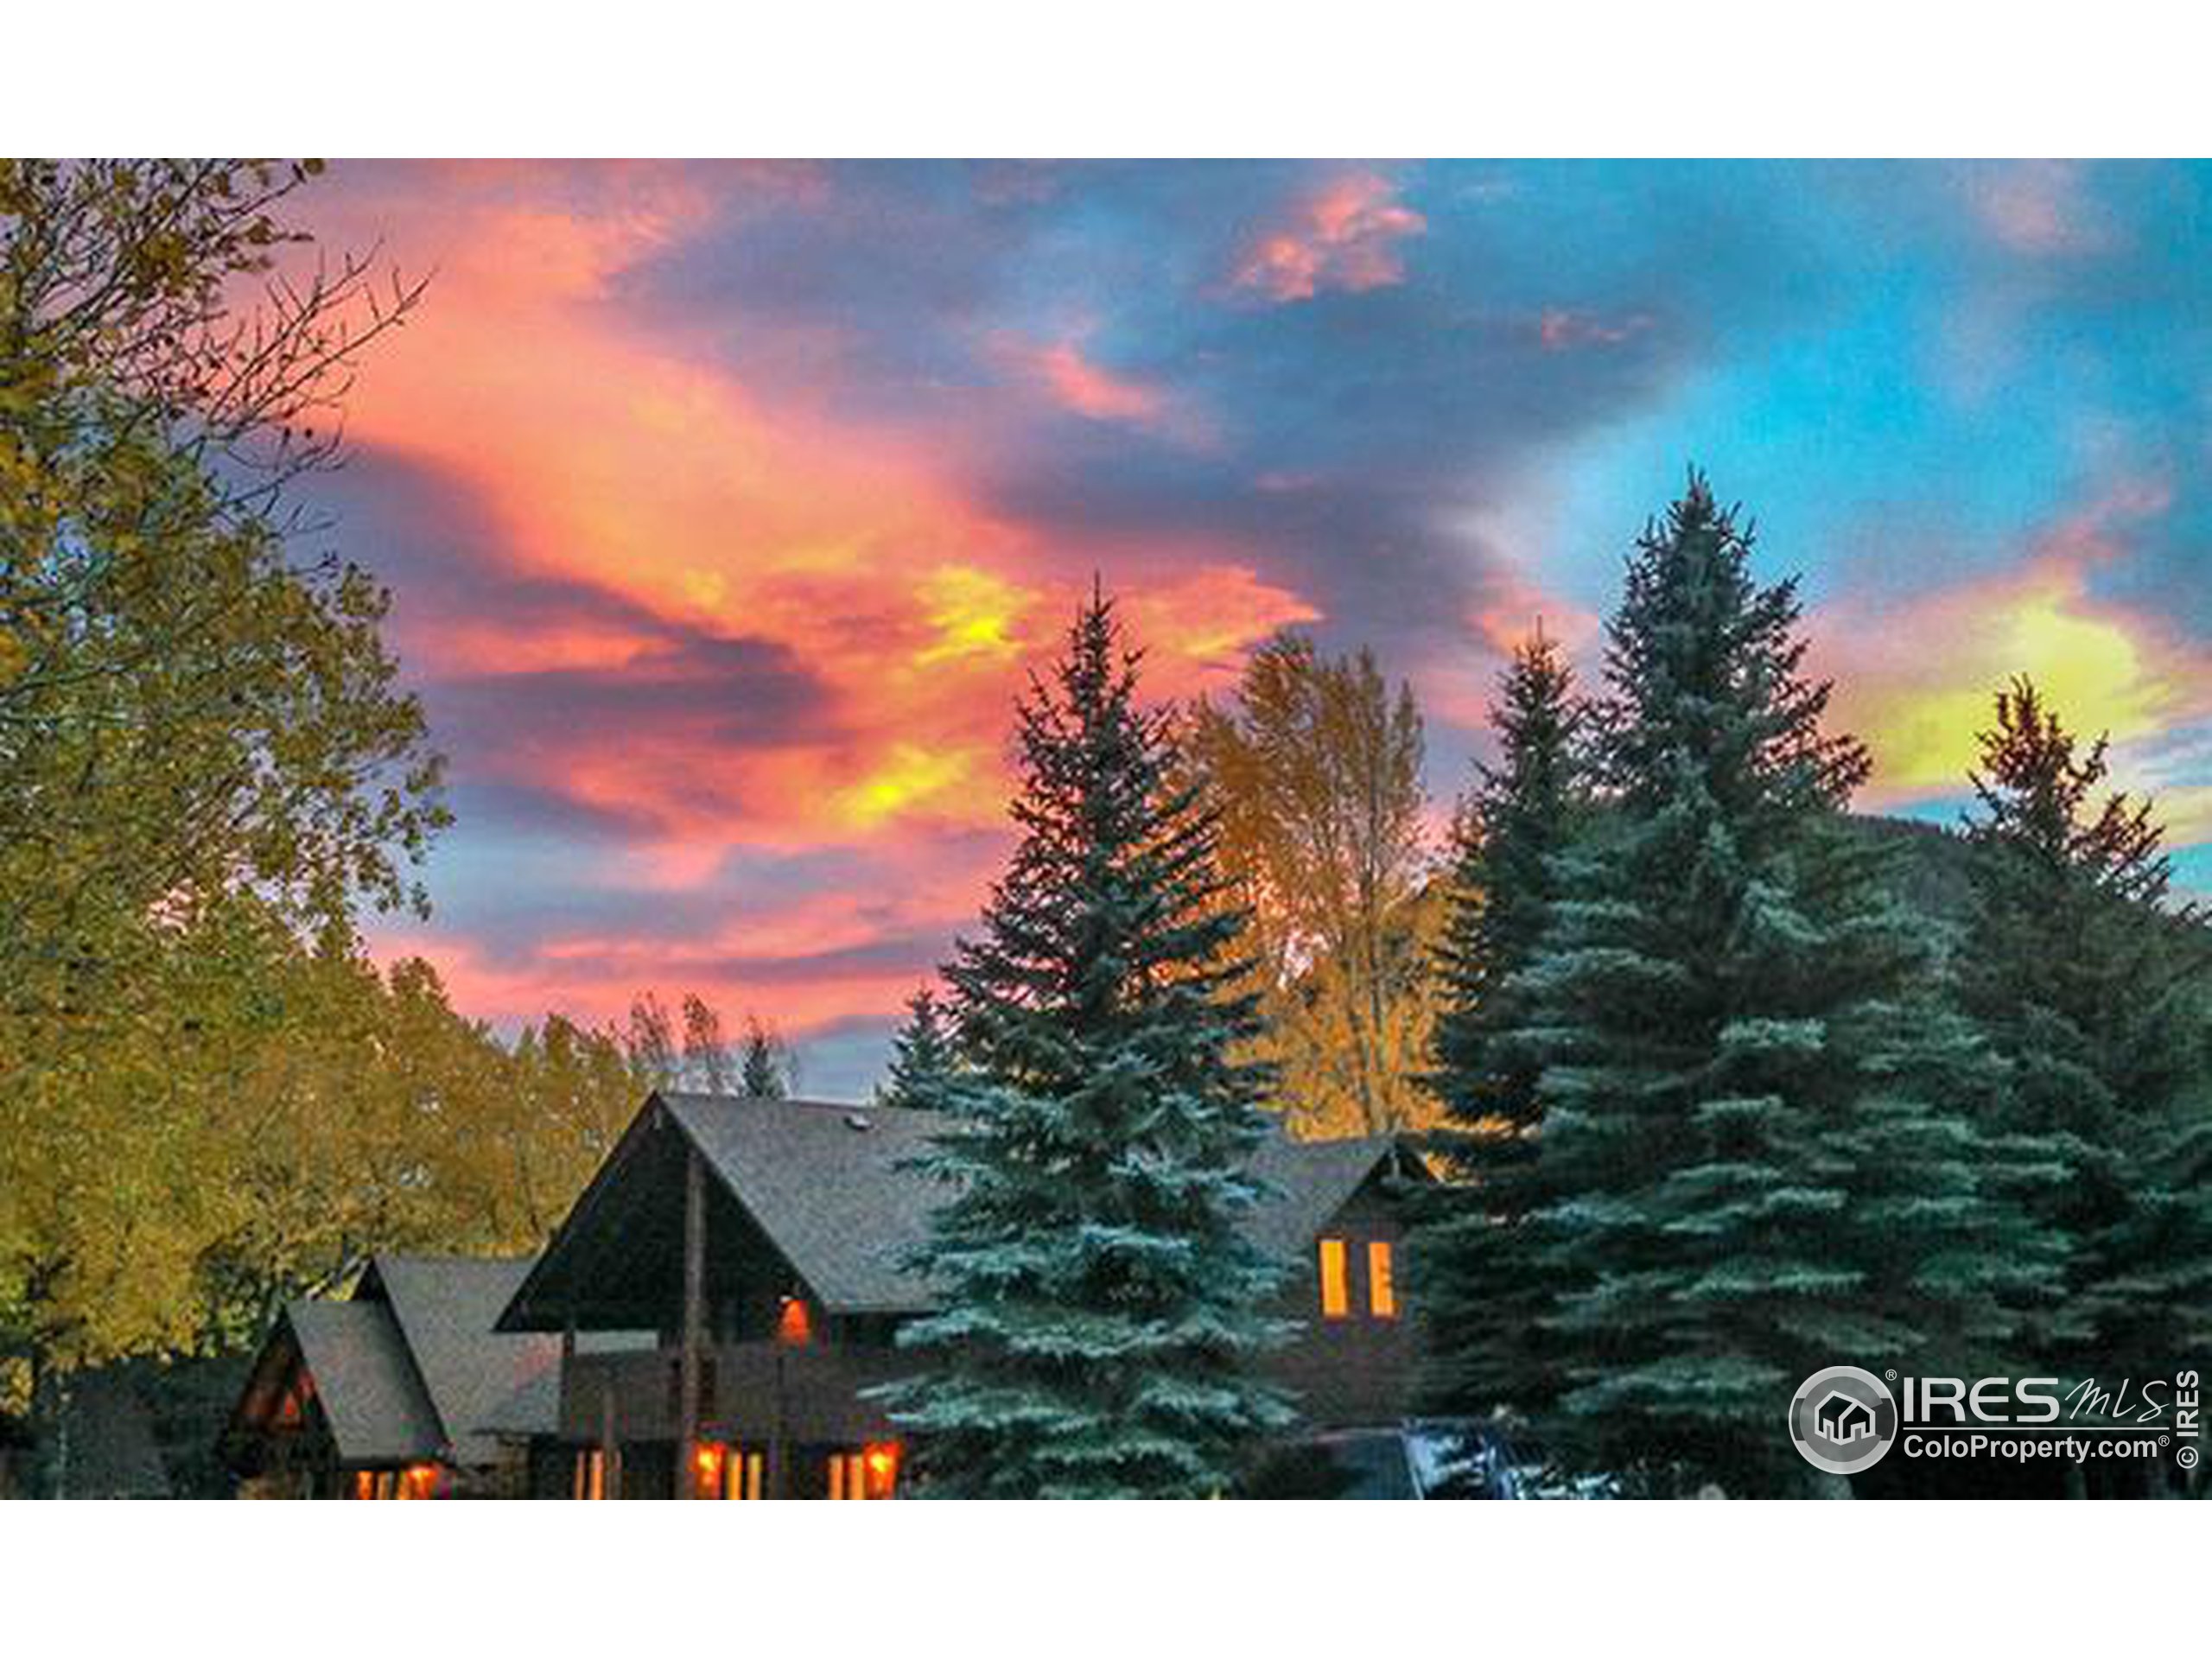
1843,1420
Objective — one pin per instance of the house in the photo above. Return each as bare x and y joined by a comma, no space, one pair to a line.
404,1390
764,1242
1843,1419
710,1317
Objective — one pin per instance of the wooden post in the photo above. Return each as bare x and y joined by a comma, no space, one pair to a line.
610,1473
695,1319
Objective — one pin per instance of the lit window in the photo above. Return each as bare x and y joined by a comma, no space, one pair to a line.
591,1475
707,1460
881,1464
793,1324
741,1475
1336,1296
870,1472
1382,1290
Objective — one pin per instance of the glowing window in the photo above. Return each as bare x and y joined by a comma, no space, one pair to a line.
591,1475
1382,1289
708,1460
741,1476
1336,1295
794,1326
879,1462
870,1472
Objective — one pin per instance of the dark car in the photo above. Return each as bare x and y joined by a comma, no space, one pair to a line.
1424,1458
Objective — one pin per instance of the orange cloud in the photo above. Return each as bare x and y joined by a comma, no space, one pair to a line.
1196,630
1917,679
1345,236
626,462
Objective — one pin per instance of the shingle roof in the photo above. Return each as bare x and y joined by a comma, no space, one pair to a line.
1307,1182
826,1183
444,1307
368,1387
534,1407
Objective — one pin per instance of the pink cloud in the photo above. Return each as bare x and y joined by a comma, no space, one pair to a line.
2039,208
1345,236
1092,390
597,449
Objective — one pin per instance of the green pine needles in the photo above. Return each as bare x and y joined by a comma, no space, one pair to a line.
1101,1301
1744,1110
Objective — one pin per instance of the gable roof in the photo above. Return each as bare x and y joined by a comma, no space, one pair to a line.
833,1188
368,1390
1308,1181
828,1185
445,1307
410,1369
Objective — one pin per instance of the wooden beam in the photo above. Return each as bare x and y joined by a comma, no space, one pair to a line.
695,1319
610,1468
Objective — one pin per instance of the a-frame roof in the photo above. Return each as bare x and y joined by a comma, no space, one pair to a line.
832,1191
445,1307
410,1369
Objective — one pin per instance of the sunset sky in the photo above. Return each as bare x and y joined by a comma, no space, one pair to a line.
725,506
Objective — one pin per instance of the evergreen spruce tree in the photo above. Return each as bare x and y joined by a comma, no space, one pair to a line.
1099,1299
2088,982
1757,1155
924,1057
764,1063
1480,1295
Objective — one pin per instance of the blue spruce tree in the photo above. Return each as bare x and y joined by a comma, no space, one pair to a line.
1100,1301
2089,981
1759,1153
1479,1292
924,1057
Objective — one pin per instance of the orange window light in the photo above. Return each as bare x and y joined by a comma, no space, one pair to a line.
794,1324
881,1462
744,1475
364,1484
1382,1289
591,1475
1336,1295
853,1475
708,1459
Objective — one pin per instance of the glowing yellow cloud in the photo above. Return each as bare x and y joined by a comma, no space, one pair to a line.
1921,684
969,612
912,778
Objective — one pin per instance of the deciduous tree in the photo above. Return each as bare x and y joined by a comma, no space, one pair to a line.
1314,766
